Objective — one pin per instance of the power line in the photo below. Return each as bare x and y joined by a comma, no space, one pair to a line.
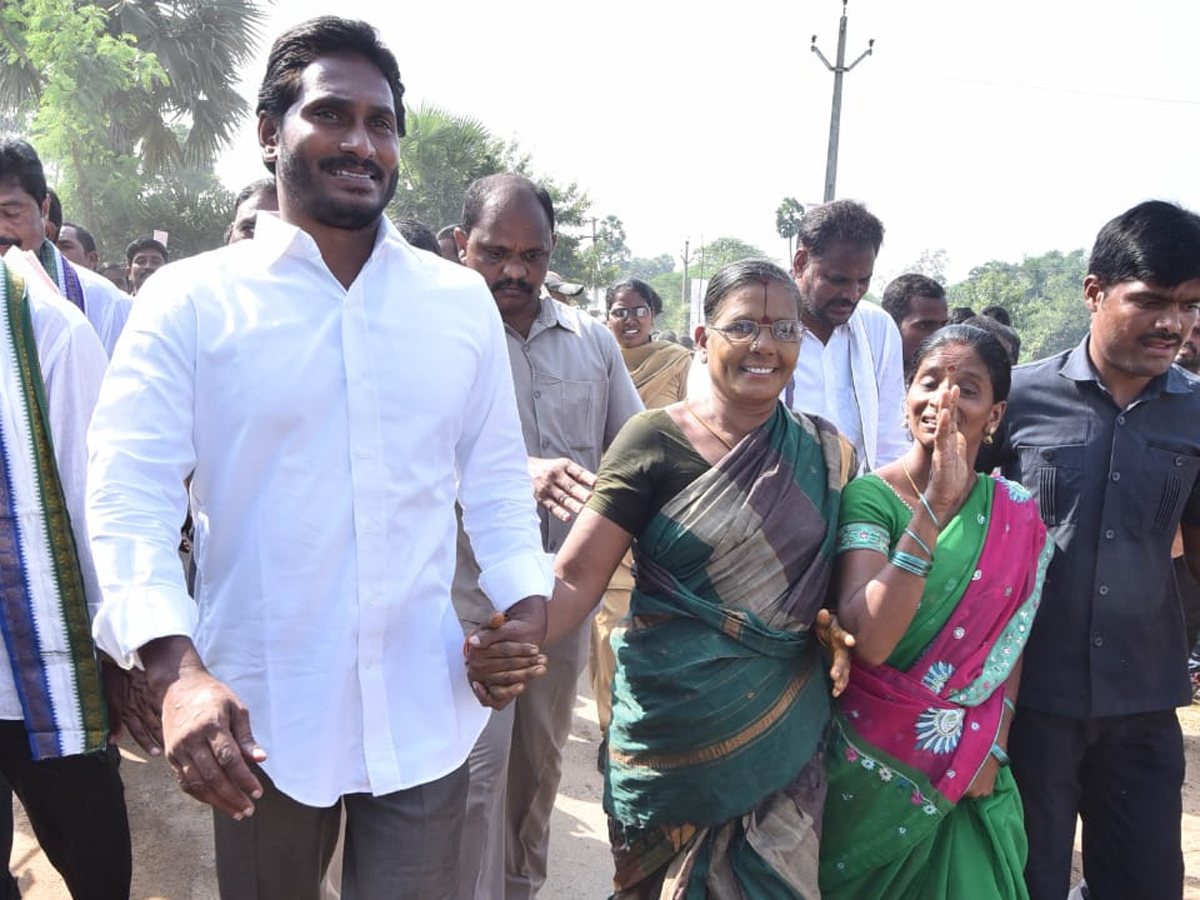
835,115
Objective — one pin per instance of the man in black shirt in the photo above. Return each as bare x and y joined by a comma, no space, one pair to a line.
1107,437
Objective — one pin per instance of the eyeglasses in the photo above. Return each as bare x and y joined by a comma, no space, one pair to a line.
621,313
744,331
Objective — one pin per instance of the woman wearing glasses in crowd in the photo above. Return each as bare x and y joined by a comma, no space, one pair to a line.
939,575
715,778
659,370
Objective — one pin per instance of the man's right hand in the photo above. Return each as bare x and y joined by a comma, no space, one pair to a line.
206,729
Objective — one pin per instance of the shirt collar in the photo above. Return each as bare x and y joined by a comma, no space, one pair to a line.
1078,367
275,239
552,314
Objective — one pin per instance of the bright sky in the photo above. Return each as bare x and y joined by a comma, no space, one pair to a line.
991,130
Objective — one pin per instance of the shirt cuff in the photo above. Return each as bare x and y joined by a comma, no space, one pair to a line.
511,581
124,625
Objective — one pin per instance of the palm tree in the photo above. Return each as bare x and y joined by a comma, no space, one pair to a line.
440,155
201,45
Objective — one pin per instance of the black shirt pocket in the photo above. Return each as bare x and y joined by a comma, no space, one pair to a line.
1055,476
1171,475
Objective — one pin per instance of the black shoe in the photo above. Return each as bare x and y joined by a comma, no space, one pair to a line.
602,755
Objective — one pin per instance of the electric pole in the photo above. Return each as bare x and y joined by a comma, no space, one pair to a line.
836,115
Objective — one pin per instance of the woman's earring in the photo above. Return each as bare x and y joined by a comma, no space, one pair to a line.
987,438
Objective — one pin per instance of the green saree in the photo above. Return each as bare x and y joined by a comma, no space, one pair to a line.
910,735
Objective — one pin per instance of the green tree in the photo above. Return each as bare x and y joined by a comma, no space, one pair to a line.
609,253
115,96
721,252
645,269
1043,294
440,155
787,221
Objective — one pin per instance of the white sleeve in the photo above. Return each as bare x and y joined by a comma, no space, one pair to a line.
888,350
494,489
141,450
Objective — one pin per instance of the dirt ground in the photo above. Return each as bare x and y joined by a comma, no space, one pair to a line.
173,857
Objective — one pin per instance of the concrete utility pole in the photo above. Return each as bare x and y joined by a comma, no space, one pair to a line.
835,117
686,257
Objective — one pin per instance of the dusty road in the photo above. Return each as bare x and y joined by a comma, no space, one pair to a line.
173,843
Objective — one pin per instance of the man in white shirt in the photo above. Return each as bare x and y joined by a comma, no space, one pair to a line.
850,369
24,207
332,392
54,749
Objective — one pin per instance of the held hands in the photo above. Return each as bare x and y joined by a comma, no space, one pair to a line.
839,641
951,474
560,485
502,657
133,706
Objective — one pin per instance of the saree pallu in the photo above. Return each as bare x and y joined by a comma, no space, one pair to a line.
659,370
907,742
720,700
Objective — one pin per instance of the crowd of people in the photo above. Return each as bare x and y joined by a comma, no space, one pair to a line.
868,610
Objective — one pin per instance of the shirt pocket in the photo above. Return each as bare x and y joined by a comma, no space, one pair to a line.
570,417
1055,475
1171,475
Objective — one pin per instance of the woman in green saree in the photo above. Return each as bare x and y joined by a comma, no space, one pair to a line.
940,572
715,774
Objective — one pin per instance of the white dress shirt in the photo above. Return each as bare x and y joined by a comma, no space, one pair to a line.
105,305
72,362
856,381
330,431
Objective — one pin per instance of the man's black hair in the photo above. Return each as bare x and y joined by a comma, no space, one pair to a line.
419,235
19,162
1156,242
841,221
85,237
136,247
897,296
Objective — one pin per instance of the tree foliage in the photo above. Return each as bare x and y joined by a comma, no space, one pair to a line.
645,269
440,155
787,220
721,252
122,98
1043,294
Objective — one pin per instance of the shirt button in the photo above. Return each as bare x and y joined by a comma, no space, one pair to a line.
1178,461
537,395
1120,420
545,443
1116,476
1098,640
362,453
1110,534
1047,455
1104,590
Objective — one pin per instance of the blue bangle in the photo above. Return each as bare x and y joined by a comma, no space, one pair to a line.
909,563
920,543
929,509
1012,707
1000,755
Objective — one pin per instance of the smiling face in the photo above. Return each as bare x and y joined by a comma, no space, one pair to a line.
939,370
335,150
634,329
832,284
754,373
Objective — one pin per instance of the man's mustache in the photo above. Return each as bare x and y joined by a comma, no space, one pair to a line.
353,164
6,242
511,284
